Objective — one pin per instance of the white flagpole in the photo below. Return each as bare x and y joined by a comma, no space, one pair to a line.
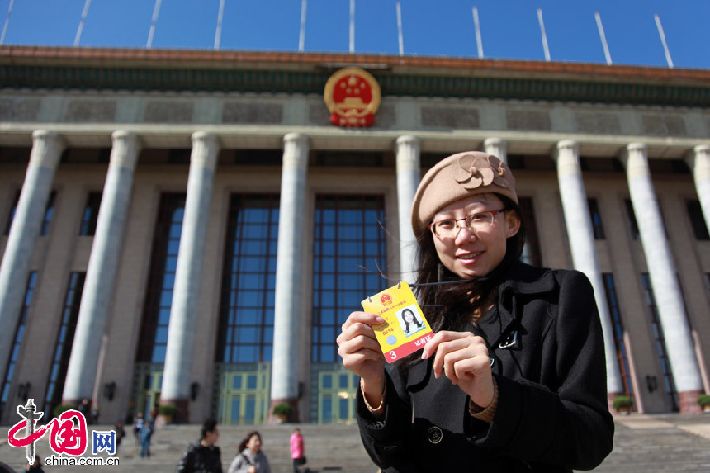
7,22
477,26
602,37
218,29
352,27
545,47
82,21
662,35
400,34
153,23
302,35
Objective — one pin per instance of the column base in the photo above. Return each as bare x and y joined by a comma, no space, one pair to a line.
688,402
292,416
173,411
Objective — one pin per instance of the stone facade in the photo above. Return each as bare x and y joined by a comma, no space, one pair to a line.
411,128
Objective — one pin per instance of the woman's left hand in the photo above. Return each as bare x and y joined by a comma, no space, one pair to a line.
463,358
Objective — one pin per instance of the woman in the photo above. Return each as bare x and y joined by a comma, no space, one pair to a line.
250,458
514,379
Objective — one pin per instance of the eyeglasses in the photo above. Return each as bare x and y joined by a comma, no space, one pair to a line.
449,228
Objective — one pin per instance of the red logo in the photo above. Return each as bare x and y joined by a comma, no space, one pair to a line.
67,433
386,299
352,96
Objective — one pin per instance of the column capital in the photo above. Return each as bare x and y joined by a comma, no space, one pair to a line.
568,144
633,148
637,147
46,135
124,135
698,152
408,140
298,139
205,137
494,141
47,147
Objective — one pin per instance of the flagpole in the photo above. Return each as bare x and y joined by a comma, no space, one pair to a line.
302,34
153,23
352,27
7,22
218,29
662,35
400,34
477,27
545,47
602,37
82,21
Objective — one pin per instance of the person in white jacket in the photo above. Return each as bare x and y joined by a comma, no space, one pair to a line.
250,458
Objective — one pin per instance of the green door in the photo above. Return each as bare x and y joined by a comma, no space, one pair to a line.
336,396
148,382
244,393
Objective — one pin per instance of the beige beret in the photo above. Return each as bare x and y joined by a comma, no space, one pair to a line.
456,177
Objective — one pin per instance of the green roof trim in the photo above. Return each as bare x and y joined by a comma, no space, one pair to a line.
65,77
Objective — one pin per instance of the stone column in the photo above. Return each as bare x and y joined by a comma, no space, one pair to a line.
699,162
288,315
188,277
46,149
581,240
662,271
97,296
407,182
497,148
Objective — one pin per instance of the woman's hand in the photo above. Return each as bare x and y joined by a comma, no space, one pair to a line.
361,352
463,358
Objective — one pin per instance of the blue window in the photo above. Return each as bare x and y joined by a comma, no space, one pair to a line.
249,280
618,327
20,331
90,215
63,345
349,248
156,315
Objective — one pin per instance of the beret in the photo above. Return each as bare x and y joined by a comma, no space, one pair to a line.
456,177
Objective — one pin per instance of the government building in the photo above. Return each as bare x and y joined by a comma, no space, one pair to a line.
191,228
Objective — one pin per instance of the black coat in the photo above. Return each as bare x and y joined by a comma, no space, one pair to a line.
201,459
552,413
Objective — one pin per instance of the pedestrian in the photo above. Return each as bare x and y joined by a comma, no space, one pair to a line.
514,377
203,456
298,450
120,433
250,458
146,435
137,426
36,466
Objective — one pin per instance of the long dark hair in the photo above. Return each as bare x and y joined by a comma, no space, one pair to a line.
450,306
245,440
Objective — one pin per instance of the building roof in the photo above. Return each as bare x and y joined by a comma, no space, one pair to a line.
36,67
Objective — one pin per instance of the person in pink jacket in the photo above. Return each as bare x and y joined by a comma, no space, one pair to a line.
298,454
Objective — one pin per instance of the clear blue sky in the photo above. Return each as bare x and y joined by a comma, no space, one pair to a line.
431,27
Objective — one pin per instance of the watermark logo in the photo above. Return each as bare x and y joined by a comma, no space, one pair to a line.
67,434
103,441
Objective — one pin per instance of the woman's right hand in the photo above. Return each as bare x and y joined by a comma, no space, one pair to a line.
361,352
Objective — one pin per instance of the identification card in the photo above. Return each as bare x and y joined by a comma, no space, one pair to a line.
405,329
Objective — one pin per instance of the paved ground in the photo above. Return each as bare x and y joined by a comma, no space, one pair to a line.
647,444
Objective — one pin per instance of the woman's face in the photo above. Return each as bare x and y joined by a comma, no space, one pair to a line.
254,443
471,255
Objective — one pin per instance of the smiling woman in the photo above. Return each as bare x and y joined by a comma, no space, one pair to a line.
514,379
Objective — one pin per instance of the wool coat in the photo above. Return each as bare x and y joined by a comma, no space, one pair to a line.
545,342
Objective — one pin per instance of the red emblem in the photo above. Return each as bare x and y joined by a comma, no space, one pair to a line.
352,96
386,299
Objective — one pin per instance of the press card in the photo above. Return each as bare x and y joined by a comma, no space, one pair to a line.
405,329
